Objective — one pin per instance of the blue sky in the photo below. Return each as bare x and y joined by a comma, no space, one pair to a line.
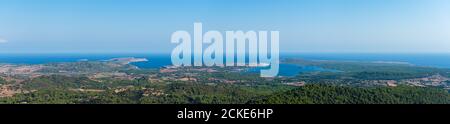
145,26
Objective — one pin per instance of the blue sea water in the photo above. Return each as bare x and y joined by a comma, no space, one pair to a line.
155,60
160,60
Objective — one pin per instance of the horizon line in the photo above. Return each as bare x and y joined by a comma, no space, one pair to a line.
155,53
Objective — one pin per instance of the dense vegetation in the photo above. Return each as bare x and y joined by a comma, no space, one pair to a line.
2,81
78,82
328,94
179,93
84,67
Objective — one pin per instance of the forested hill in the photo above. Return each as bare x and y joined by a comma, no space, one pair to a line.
329,94
179,93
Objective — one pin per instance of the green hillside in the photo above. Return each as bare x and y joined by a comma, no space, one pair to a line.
328,94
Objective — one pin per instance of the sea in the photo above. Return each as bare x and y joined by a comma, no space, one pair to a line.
161,60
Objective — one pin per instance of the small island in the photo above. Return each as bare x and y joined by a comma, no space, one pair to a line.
127,60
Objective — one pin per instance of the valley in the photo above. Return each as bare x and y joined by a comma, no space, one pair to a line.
117,81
